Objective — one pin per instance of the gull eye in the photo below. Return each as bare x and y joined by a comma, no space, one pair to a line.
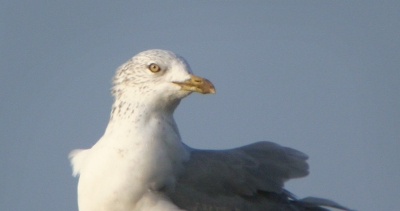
154,68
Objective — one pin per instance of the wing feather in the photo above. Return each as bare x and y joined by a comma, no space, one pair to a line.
233,179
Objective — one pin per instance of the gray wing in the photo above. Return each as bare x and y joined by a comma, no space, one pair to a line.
246,178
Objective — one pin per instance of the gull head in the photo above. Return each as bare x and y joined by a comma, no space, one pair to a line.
158,76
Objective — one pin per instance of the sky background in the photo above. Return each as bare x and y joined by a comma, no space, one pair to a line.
319,76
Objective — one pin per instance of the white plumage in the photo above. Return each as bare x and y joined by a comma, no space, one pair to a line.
140,163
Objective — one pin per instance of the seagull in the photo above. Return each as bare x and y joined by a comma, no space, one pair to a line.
141,164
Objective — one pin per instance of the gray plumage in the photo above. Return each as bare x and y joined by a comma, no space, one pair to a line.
246,178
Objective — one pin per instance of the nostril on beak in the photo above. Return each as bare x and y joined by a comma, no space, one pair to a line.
197,81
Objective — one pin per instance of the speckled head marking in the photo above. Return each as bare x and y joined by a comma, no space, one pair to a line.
135,72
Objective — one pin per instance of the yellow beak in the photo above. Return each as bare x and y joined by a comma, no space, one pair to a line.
197,84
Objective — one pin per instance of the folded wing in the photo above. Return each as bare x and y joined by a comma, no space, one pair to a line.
241,179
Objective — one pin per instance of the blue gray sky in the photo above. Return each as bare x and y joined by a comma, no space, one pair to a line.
318,76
